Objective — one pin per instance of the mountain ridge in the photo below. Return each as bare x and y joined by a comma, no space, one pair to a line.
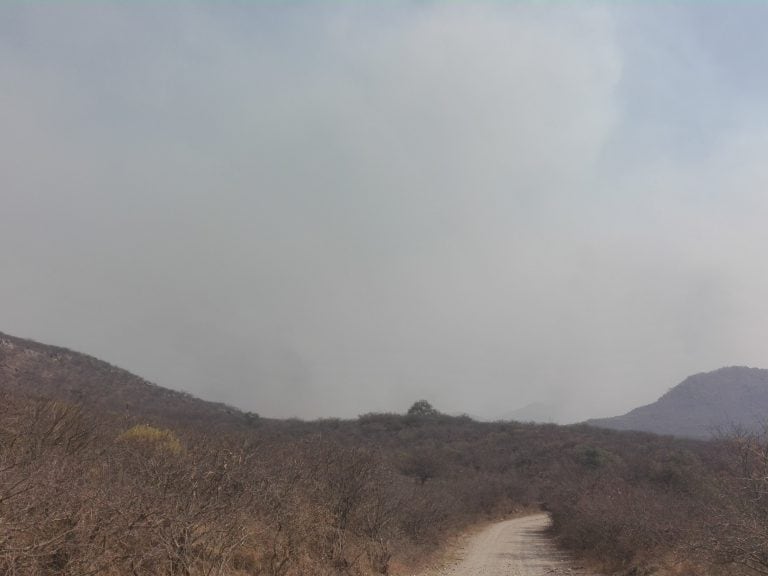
702,405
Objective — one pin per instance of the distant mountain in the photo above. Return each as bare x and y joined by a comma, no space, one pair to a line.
702,405
534,412
31,368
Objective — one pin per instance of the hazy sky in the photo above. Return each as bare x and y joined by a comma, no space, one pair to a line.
329,209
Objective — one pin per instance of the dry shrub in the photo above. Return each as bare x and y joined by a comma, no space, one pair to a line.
152,438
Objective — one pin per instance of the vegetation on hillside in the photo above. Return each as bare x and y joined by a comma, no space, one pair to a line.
30,367
86,493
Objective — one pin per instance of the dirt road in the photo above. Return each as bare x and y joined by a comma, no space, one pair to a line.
516,547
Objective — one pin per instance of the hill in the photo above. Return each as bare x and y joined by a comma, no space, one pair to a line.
702,404
34,369
534,412
83,492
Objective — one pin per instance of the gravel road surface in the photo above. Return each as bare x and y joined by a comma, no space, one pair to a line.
517,547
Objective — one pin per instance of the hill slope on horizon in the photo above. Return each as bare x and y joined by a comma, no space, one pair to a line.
702,405
539,412
31,368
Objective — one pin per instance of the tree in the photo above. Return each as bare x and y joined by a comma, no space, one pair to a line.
422,409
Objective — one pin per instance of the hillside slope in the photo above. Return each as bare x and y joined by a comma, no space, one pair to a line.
84,492
701,405
31,368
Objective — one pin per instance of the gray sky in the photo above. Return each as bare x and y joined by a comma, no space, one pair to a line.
320,210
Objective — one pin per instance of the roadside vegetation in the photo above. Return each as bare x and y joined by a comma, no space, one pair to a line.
83,492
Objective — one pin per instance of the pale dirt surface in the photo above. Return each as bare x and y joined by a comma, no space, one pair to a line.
516,547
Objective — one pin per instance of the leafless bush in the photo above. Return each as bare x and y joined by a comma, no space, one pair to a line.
737,530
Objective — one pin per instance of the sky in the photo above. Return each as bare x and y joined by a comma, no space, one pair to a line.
329,209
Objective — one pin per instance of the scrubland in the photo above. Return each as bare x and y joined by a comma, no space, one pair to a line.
84,492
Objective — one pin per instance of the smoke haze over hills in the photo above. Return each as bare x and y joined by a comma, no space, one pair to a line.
329,210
